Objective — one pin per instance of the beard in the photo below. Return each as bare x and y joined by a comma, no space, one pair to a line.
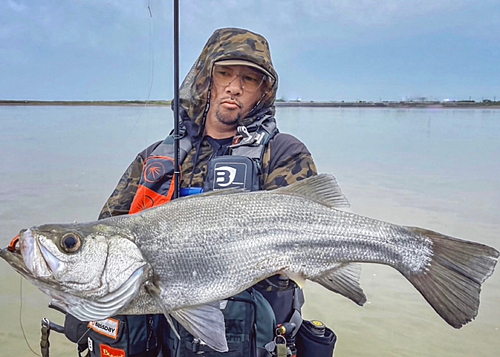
228,117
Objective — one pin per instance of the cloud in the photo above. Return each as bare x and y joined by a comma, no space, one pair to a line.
344,20
370,13
86,25
15,6
96,23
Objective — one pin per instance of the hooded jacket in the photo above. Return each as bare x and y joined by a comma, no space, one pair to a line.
286,159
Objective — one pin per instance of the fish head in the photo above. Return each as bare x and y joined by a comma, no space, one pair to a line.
89,270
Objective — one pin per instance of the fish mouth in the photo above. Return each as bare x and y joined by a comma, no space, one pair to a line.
16,261
81,308
37,259
18,255
13,254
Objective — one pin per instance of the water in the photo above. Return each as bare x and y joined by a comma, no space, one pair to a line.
432,168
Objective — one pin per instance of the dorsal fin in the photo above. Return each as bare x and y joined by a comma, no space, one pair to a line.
322,188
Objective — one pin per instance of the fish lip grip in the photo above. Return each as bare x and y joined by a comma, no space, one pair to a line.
13,245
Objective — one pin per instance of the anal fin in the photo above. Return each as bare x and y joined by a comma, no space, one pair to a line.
344,280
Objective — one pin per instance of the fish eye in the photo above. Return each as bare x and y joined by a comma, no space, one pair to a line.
70,242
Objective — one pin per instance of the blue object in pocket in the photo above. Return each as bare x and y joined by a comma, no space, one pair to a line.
191,191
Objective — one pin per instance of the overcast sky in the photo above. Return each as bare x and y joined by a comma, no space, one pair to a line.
322,49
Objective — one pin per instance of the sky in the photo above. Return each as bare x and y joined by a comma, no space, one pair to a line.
323,50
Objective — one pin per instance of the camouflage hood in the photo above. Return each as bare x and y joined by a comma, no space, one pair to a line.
224,44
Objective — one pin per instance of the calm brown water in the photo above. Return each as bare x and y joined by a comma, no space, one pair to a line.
437,169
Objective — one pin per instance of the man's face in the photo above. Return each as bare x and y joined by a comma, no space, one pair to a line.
235,91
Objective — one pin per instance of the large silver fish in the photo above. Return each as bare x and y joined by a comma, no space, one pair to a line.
184,257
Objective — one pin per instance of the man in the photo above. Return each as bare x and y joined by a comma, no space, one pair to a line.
230,139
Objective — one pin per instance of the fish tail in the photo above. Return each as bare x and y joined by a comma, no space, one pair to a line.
452,282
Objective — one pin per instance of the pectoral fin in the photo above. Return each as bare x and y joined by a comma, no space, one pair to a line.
205,322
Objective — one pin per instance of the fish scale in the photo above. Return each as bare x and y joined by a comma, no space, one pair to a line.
355,239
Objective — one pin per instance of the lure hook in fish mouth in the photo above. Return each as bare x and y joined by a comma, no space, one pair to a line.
13,245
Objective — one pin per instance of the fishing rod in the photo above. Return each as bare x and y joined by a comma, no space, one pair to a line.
177,174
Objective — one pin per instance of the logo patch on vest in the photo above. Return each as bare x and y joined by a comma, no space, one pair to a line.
108,327
107,351
230,174
154,171
224,175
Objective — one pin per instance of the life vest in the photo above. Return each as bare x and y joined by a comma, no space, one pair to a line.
241,168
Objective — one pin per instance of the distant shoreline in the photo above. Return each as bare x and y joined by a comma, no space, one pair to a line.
358,104
84,102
